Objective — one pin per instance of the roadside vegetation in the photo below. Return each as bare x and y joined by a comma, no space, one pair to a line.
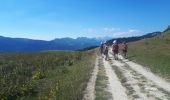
153,53
53,75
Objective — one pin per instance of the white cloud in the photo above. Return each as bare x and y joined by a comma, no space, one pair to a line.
130,32
110,30
102,30
91,30
117,32
133,31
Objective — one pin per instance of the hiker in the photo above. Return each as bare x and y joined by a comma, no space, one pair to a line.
115,49
101,48
106,49
124,49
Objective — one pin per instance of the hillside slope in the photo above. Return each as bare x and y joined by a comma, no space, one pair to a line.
153,53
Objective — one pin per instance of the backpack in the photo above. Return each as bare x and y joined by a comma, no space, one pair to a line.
125,46
115,47
106,50
101,46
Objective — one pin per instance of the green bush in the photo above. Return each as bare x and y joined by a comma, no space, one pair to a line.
38,75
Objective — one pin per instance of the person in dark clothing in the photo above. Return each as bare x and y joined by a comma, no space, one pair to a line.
115,49
101,48
124,49
106,50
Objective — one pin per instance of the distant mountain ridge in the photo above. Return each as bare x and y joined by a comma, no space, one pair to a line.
29,45
137,38
132,39
8,44
167,29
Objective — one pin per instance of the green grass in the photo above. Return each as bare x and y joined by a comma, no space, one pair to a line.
153,53
54,75
101,84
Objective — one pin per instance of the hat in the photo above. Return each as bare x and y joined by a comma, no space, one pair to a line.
114,41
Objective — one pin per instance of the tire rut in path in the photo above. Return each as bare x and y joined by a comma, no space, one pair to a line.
137,86
89,93
147,74
115,87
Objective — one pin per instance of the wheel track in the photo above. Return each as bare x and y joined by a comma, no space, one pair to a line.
89,93
115,87
137,86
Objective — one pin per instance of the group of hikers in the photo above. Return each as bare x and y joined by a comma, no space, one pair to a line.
104,49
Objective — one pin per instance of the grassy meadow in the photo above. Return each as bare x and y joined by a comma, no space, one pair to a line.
153,53
53,75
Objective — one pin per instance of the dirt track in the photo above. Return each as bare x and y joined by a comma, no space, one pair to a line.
130,81
90,90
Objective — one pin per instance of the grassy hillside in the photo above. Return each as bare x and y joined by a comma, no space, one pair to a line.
154,53
58,75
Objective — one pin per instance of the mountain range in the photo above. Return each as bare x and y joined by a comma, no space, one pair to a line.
8,44
136,38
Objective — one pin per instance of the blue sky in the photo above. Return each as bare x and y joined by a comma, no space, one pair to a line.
49,19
